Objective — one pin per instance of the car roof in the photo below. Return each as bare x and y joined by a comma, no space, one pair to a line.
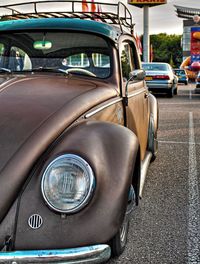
104,29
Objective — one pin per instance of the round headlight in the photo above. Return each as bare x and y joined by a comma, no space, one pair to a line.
67,183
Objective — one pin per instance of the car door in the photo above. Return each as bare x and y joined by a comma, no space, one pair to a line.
137,108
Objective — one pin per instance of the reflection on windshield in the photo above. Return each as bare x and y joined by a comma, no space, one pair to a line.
78,53
179,72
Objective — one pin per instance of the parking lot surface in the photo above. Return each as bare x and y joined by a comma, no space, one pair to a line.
165,228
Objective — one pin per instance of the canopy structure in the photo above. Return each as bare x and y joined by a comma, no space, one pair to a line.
187,12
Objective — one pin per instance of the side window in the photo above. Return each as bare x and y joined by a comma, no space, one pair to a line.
77,60
19,60
129,59
135,57
101,64
125,61
2,50
101,60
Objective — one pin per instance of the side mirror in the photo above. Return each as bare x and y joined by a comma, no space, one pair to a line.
137,75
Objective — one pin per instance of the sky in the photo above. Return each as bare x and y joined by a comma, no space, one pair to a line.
162,18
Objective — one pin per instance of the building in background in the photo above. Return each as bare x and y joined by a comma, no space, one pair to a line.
190,40
188,14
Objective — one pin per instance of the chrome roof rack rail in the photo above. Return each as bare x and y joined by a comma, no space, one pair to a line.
27,10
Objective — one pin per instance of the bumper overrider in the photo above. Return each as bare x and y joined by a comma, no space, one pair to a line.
89,254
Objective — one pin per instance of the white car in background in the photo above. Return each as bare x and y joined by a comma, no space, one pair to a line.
160,78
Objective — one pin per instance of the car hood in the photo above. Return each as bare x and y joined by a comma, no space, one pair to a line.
34,111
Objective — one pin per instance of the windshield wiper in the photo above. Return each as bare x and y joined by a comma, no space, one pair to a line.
46,69
5,70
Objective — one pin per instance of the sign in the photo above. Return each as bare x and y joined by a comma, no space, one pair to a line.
195,44
141,3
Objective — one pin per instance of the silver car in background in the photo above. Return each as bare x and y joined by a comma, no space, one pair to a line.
160,78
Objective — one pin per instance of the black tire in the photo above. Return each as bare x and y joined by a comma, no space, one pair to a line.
170,93
118,242
154,154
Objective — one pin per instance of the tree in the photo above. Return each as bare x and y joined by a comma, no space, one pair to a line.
167,48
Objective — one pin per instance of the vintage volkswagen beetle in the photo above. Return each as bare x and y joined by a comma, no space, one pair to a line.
78,130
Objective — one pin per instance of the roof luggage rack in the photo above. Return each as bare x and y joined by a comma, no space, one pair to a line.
122,16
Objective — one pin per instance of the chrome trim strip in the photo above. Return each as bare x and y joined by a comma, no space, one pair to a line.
89,254
136,93
103,107
111,103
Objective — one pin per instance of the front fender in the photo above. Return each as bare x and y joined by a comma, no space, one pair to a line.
111,151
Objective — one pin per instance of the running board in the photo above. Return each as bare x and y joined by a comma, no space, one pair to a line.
144,167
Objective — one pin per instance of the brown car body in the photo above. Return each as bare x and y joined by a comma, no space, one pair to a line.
110,122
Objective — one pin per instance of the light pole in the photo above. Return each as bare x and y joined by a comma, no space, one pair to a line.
146,40
146,4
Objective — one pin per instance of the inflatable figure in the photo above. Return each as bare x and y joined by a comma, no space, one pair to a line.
192,63
191,69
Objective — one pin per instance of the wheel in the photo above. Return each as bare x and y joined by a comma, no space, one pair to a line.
118,242
170,93
175,91
5,70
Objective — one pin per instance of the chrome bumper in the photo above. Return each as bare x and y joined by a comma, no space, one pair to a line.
90,254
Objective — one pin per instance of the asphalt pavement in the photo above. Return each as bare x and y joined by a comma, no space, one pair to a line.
165,228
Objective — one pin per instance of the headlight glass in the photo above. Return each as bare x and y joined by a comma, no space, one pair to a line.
67,183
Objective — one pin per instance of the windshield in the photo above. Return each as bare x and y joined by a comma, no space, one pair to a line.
179,72
155,67
78,53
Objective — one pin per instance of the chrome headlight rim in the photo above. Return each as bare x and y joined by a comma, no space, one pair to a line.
86,167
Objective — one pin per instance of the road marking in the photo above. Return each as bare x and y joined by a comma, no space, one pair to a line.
183,103
190,95
176,142
193,216
165,110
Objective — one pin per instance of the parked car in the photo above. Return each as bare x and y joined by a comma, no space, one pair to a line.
198,81
182,76
160,78
78,131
